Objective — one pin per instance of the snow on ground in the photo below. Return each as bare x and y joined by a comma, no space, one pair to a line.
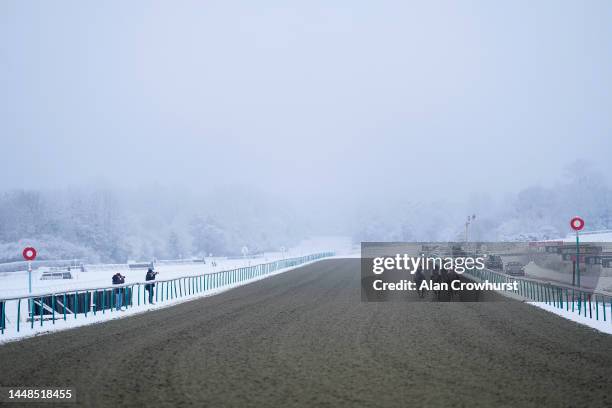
592,318
81,320
600,325
15,284
590,236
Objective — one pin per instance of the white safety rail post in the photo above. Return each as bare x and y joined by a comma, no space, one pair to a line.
577,224
29,254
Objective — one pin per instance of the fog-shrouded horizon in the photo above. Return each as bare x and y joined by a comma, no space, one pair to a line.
264,123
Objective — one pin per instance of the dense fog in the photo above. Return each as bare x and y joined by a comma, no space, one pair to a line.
114,225
145,130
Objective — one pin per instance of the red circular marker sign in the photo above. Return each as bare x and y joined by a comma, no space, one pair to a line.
577,223
29,254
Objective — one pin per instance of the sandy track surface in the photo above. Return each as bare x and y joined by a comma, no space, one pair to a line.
304,338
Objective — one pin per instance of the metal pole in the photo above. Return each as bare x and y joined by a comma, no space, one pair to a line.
577,260
29,277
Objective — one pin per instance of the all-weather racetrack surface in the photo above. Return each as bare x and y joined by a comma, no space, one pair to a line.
305,338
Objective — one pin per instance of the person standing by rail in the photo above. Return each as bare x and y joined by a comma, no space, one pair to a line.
118,279
149,287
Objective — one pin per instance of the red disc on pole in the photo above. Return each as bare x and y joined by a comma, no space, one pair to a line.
577,223
29,254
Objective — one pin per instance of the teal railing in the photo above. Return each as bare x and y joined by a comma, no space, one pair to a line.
586,303
26,312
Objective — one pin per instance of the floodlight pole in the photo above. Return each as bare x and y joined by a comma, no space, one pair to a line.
470,219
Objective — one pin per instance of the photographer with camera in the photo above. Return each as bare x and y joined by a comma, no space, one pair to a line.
118,279
149,287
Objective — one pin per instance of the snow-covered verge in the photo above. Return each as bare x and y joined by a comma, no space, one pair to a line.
595,312
77,320
589,320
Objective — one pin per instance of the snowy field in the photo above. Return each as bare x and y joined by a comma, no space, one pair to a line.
15,284
73,321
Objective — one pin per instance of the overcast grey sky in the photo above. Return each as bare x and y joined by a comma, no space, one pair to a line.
308,98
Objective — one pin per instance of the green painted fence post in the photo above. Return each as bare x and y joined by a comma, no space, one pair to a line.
53,309
31,302
3,321
550,295
19,313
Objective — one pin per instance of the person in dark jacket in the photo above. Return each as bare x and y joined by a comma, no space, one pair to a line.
149,287
118,279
